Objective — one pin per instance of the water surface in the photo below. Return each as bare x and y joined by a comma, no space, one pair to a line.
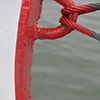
67,68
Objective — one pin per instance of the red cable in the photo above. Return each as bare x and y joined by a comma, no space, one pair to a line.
76,26
81,10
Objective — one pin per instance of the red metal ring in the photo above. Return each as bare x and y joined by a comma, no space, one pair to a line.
28,32
59,31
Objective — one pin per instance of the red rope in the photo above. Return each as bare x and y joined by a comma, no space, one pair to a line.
82,9
78,27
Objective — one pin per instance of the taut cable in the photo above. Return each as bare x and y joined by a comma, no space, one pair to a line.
82,9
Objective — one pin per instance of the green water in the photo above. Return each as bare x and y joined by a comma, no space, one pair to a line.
67,68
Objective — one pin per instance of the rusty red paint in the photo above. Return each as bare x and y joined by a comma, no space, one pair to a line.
28,32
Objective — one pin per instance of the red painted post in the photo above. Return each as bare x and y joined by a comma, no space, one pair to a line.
30,13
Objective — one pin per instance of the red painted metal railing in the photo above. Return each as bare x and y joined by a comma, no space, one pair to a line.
29,31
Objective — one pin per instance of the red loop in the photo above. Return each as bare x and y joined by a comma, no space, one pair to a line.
55,32
29,30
